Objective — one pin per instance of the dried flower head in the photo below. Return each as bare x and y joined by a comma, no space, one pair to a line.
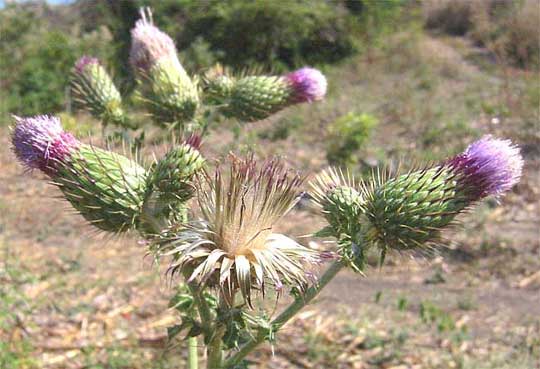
308,84
40,142
233,246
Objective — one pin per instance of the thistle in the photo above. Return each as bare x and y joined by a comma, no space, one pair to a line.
409,211
94,90
254,98
168,91
169,184
105,188
232,247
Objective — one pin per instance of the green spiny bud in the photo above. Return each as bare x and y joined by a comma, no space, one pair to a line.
257,97
217,86
106,188
170,94
169,186
94,90
409,211
173,173
342,206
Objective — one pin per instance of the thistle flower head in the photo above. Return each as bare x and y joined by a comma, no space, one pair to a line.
84,61
308,84
40,142
149,44
488,166
94,90
233,246
105,188
411,210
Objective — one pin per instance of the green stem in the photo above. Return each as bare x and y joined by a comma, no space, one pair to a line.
193,360
215,354
286,315
204,310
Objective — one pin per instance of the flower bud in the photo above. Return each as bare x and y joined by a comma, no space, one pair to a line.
94,90
169,186
105,188
168,91
257,97
173,173
341,201
217,85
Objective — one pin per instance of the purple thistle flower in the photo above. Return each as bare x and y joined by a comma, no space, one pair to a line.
489,166
40,142
149,44
85,60
308,84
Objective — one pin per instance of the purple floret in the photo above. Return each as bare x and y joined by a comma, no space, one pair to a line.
40,142
488,166
308,84
81,64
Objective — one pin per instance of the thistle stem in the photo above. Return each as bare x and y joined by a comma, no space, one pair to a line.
287,314
204,310
193,360
215,354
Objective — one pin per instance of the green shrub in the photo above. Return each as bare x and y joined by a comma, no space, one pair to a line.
42,75
454,17
36,56
277,34
271,33
347,135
